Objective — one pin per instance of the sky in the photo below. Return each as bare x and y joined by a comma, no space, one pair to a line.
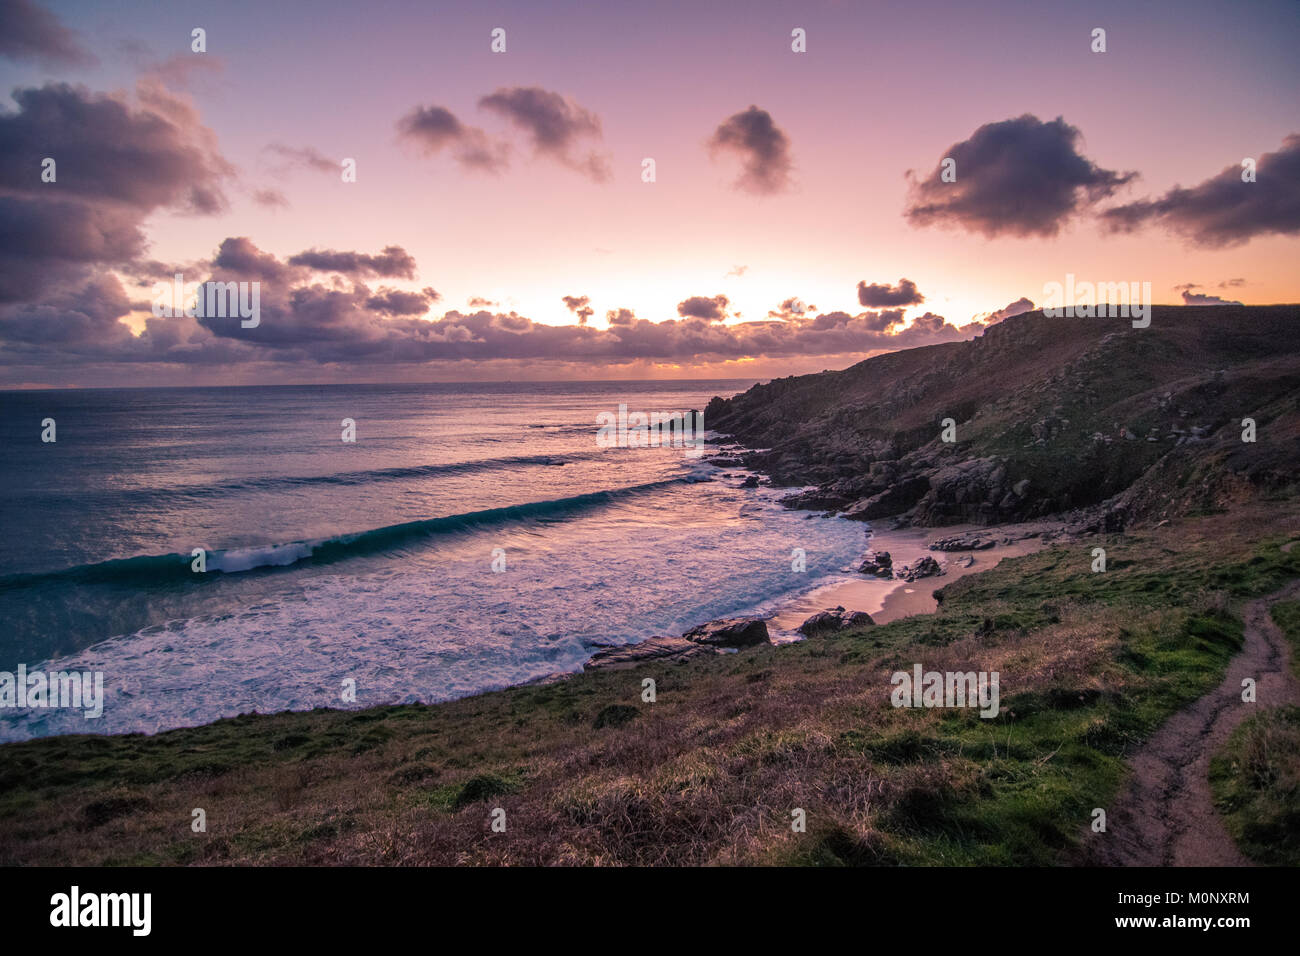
502,225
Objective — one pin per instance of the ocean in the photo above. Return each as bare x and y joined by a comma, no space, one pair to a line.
472,537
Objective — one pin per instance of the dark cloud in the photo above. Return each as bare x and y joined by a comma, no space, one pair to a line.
478,302
82,319
762,147
554,124
1017,177
1223,210
29,32
394,262
155,156
435,128
620,317
1196,298
875,295
397,302
929,324
882,321
116,162
239,255
44,243
702,307
872,322
580,305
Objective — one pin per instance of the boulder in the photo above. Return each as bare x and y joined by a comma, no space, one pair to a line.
730,632
837,619
927,567
878,563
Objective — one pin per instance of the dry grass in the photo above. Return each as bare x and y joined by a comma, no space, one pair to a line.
711,772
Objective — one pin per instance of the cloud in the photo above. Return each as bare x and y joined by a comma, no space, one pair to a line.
1018,307
872,322
1017,177
478,302
736,271
876,296
239,255
29,32
44,243
702,307
1196,298
554,124
580,305
82,319
393,262
435,129
347,324
116,162
397,302
178,72
303,157
762,147
104,149
791,308
270,198
1223,210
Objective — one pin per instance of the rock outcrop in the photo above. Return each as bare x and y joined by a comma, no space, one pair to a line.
926,567
879,564
666,650
730,632
1052,417
837,619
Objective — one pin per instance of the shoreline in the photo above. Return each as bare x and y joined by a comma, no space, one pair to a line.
884,599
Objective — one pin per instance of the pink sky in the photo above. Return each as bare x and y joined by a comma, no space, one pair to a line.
1183,92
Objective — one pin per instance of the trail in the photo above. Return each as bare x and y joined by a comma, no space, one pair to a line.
1166,816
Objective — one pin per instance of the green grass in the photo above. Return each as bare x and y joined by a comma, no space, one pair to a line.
1090,665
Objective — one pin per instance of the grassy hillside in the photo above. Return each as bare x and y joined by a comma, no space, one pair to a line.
1051,415
710,772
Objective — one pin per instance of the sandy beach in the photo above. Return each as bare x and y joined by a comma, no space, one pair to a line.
888,599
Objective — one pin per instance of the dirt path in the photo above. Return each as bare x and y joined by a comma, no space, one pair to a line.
1166,817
